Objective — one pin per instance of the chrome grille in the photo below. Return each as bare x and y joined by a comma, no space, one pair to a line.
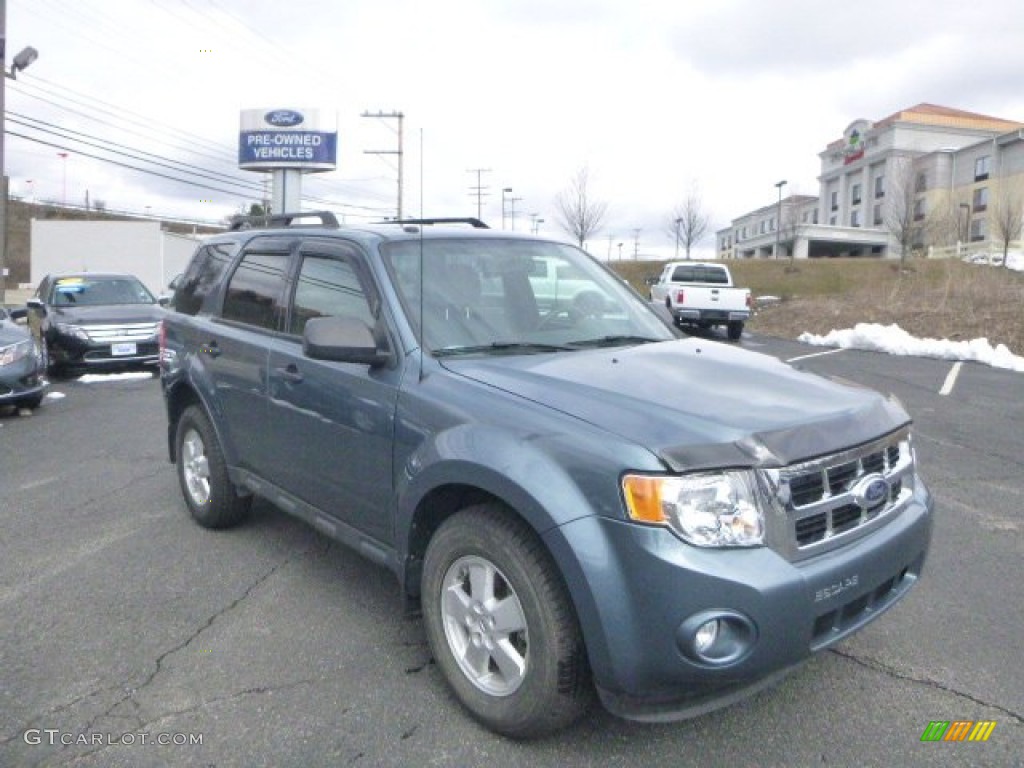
121,332
835,499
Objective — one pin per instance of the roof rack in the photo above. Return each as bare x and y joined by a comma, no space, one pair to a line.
473,222
327,219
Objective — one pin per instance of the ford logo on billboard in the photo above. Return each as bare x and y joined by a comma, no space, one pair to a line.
283,118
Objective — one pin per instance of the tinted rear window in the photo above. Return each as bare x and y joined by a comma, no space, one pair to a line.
202,276
700,274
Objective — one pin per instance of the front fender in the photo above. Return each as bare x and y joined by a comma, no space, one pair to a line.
518,471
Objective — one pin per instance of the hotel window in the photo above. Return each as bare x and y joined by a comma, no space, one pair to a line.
922,183
879,186
978,230
835,201
832,220
919,209
855,194
979,202
877,217
981,167
854,218
814,218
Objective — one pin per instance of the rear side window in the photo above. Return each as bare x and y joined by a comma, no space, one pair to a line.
202,276
254,292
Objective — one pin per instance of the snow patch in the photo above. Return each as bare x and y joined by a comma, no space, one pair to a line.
894,340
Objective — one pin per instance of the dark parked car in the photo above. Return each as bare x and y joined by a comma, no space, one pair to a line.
22,379
578,500
95,321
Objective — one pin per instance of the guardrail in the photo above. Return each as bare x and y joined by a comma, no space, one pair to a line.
981,250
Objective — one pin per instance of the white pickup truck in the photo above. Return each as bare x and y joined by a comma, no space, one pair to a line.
702,294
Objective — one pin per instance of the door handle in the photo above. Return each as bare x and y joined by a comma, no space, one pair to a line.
289,373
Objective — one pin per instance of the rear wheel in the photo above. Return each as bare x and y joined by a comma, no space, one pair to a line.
501,626
735,330
202,472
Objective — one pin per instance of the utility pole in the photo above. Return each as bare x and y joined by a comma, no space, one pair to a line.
400,117
479,189
778,219
636,244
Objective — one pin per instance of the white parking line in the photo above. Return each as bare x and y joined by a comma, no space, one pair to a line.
816,354
950,382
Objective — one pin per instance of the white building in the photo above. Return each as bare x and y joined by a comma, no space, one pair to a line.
924,176
139,248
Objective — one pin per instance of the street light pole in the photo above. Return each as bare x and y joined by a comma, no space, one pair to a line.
778,218
25,57
64,198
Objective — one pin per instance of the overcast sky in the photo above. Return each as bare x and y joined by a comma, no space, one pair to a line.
652,96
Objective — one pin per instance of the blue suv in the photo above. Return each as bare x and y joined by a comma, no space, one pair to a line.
580,501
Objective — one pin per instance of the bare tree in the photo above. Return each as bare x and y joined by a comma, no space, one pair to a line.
576,213
689,222
1007,216
906,217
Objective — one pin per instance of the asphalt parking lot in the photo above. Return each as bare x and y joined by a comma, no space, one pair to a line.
123,624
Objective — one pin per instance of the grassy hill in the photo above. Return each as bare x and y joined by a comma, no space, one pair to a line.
931,299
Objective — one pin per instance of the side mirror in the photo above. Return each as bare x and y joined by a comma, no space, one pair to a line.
175,282
36,305
163,300
344,339
17,315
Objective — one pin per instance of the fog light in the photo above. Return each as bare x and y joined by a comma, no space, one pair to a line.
706,635
717,638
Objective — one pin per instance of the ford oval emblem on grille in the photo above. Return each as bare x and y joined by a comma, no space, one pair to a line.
871,491
283,118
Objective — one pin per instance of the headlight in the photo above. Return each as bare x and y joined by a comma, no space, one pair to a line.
715,509
15,352
75,331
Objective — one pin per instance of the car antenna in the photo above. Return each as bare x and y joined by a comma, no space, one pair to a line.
423,330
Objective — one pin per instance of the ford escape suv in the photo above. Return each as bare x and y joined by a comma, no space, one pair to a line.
580,501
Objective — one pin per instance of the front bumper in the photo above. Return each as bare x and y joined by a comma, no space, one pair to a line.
71,352
638,588
21,381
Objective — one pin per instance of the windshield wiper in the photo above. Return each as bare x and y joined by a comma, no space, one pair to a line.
613,341
503,346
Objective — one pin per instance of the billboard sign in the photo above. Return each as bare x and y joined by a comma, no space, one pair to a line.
272,139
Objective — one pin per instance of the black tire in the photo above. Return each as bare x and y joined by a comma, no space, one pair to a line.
31,402
211,498
553,688
735,330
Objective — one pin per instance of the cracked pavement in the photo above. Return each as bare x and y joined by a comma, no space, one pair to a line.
120,617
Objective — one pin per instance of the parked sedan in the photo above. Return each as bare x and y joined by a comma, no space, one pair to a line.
22,379
95,321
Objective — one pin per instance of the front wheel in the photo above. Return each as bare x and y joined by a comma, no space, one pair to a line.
202,472
501,626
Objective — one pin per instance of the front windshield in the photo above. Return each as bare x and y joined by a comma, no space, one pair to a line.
99,291
514,295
